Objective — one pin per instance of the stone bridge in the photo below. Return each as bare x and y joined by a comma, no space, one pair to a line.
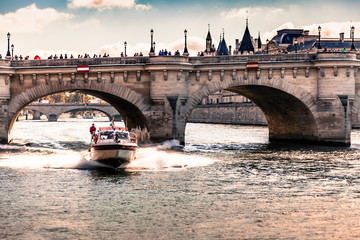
305,97
53,110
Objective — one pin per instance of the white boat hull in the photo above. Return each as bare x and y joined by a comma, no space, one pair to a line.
113,155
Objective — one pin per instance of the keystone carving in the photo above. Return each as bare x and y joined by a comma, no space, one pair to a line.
321,70
348,71
47,79
112,77
234,75
152,74
307,72
245,74
336,72
138,75
7,80
165,75
222,75
187,74
210,75
60,77
86,77
125,76
258,72
295,72
197,75
21,77
179,75
282,72
72,77
34,79
270,75
98,77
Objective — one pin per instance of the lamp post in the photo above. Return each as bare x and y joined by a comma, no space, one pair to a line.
152,52
125,44
186,53
267,46
154,46
12,50
8,51
352,40
296,43
319,44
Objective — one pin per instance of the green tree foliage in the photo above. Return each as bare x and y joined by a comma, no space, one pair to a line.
68,97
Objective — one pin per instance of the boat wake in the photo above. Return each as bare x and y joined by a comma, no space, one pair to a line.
161,157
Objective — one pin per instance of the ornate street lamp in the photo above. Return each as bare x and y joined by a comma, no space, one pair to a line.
352,36
8,51
186,53
125,44
152,52
296,43
319,44
12,50
267,46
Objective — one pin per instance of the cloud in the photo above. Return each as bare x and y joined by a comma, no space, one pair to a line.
333,29
328,30
236,13
30,19
87,23
107,4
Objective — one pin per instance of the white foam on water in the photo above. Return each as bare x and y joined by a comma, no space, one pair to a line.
157,159
147,158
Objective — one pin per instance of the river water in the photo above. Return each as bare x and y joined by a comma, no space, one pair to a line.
227,183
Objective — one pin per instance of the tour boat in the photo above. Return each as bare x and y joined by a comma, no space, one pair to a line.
113,146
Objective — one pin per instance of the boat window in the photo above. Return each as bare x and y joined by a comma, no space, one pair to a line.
121,135
106,135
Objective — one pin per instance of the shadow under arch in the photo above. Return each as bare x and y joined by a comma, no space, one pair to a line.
130,104
289,111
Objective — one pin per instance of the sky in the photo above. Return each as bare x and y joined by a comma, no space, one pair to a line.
48,27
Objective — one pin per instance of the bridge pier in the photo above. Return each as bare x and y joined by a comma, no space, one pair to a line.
36,115
52,118
5,136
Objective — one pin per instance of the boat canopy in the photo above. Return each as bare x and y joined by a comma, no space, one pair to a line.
112,128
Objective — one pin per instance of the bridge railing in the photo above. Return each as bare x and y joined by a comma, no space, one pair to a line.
79,61
175,59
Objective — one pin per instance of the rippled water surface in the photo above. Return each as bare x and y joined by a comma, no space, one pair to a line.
227,183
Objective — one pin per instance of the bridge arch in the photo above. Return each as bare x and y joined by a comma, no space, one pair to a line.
131,105
289,110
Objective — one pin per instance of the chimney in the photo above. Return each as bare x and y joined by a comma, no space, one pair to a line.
342,37
229,49
306,32
237,43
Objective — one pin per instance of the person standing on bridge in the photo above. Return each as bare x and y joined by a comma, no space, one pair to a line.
92,129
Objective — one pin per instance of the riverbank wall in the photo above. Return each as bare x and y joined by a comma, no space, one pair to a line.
228,113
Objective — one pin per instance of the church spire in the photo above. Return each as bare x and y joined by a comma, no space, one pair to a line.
259,41
246,44
247,18
209,47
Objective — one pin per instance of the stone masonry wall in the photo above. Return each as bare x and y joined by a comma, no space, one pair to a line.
235,113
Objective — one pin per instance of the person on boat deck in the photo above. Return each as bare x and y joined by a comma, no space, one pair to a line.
92,129
112,124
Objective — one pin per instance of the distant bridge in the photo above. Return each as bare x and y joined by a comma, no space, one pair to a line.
305,97
53,110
